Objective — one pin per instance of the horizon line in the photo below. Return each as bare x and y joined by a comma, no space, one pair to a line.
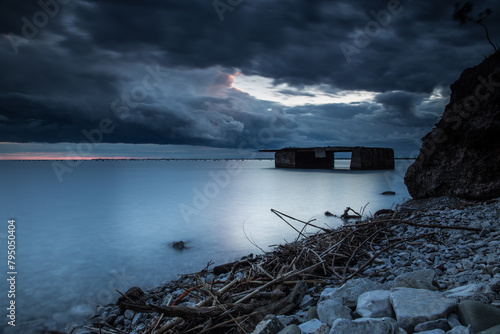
123,158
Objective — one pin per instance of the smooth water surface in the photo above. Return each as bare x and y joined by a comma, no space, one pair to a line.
109,224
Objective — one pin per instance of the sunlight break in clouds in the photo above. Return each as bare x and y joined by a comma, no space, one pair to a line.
264,89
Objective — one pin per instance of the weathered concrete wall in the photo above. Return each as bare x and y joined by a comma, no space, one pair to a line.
311,159
356,159
319,159
365,158
362,158
388,158
284,159
330,156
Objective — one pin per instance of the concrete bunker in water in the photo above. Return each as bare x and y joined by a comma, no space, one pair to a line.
362,158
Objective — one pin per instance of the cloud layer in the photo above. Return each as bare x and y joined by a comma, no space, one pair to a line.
163,71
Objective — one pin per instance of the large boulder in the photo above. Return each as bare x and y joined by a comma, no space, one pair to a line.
331,310
375,304
460,157
413,306
350,291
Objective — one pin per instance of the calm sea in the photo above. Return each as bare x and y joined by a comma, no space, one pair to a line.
108,225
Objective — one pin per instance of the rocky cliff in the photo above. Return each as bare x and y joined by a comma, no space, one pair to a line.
460,157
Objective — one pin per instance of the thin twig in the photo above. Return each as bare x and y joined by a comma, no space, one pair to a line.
300,221
277,214
124,296
251,239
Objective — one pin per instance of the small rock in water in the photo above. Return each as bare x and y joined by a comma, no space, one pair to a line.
180,245
388,193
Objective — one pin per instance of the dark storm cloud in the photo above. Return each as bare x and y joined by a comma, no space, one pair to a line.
79,61
398,107
358,124
294,41
13,11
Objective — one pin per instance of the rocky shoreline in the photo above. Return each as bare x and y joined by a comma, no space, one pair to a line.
430,266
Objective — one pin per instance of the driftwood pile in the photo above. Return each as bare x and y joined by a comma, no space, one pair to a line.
234,297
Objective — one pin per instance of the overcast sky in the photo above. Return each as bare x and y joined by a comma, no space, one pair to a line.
202,78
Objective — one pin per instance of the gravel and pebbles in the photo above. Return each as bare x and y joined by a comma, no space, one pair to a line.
448,282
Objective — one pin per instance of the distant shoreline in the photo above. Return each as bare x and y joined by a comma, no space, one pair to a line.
167,159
